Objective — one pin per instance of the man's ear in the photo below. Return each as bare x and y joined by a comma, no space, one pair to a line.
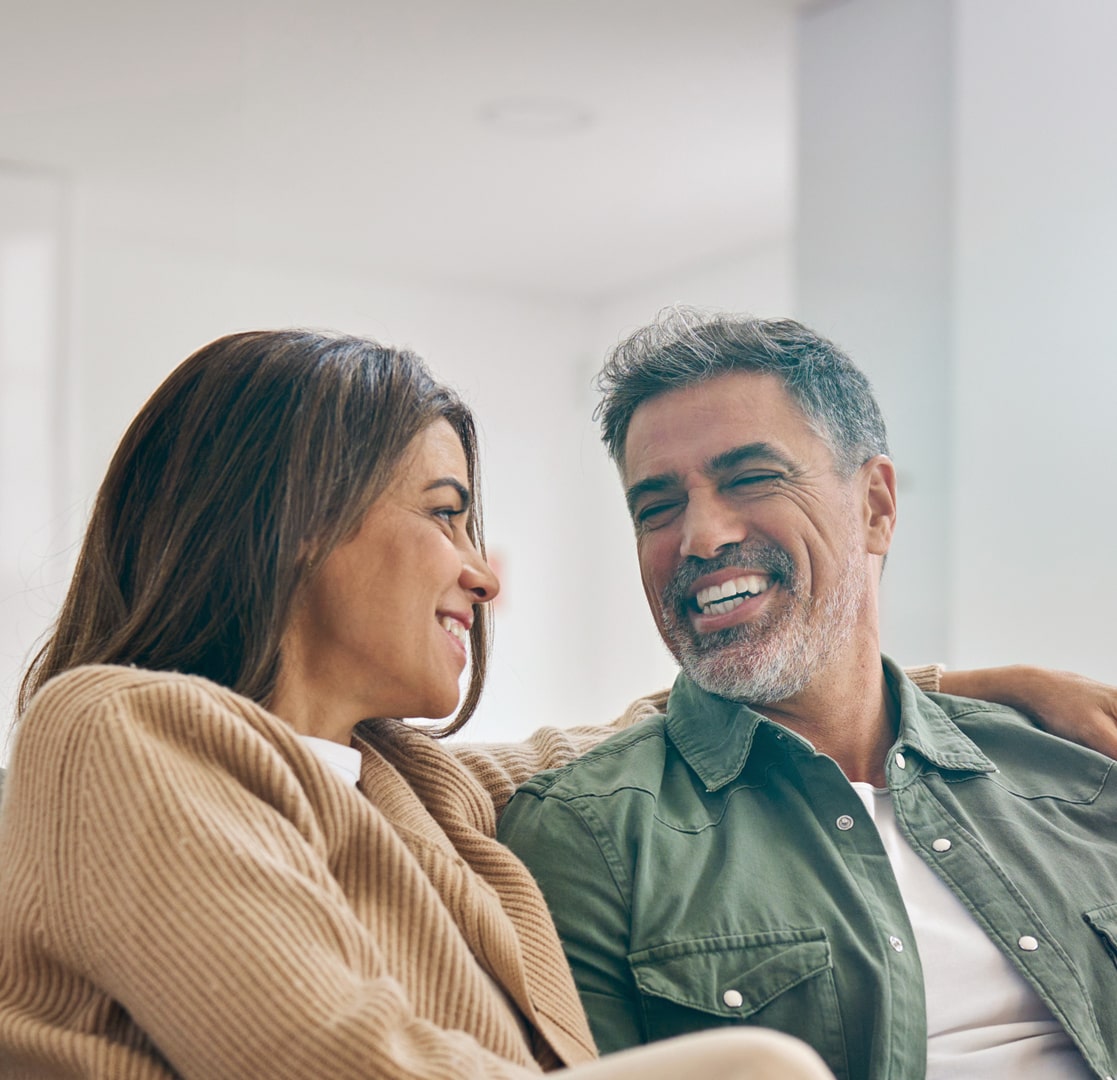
879,478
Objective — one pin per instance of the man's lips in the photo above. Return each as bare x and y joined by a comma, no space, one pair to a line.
738,598
727,591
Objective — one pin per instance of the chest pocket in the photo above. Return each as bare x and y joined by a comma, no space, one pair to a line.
1103,921
779,979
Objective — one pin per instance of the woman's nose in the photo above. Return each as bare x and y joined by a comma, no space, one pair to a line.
478,577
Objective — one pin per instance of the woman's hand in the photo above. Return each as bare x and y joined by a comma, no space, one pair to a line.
1072,706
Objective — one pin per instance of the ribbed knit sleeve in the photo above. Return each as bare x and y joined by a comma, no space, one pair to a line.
184,891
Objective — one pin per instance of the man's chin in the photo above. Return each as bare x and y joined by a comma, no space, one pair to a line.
752,679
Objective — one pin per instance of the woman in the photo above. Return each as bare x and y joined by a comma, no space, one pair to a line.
214,864
232,872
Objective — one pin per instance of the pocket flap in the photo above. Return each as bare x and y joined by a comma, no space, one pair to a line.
1104,922
731,976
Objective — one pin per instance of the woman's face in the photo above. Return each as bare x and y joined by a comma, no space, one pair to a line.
383,629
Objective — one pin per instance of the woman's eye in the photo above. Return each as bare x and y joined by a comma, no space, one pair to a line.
448,513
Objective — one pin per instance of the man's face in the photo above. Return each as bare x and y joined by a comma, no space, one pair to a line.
754,551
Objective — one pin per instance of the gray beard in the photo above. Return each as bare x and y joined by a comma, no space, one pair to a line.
777,656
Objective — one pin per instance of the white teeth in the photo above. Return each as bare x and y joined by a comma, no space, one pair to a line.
454,628
715,599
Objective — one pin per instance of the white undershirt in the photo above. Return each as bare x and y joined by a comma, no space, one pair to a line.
344,760
983,1019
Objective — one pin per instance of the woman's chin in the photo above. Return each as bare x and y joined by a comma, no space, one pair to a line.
434,708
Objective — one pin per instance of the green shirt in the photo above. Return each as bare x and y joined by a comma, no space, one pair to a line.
708,867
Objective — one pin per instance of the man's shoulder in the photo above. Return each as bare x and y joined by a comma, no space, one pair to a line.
971,712
631,758
1027,758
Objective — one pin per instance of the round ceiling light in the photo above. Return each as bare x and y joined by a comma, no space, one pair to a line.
535,116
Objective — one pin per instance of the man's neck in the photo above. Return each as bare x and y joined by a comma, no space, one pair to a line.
849,714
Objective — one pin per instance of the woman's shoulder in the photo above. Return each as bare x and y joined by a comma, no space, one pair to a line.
92,684
109,702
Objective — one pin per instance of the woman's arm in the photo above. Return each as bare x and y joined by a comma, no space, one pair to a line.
1072,706
167,863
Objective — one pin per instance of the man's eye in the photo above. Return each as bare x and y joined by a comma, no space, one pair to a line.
650,517
748,480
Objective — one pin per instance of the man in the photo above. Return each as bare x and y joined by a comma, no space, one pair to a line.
805,841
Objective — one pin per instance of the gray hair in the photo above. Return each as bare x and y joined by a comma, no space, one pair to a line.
685,346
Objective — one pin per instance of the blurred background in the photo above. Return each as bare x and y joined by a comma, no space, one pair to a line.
509,186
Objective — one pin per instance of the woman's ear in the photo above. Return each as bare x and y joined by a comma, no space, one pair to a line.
879,477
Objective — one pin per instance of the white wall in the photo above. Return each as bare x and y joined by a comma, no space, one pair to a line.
1035,384
873,264
958,233
33,563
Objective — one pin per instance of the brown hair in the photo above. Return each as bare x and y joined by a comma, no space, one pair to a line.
256,447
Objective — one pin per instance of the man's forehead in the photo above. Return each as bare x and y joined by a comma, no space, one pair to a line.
693,426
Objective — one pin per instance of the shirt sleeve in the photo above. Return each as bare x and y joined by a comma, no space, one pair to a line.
585,886
193,886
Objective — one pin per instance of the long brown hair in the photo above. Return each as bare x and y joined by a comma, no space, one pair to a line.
257,447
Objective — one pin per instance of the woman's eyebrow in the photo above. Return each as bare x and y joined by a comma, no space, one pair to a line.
457,485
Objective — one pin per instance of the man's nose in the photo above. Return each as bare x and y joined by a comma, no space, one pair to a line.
709,525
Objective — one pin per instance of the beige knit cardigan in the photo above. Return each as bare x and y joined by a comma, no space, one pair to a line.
187,890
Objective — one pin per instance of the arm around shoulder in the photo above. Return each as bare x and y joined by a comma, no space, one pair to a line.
1077,708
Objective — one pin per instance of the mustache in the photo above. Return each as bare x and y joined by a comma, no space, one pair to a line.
770,559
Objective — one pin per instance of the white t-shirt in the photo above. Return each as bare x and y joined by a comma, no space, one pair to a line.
344,760
984,1020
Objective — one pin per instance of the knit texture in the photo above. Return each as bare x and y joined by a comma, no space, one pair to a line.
185,889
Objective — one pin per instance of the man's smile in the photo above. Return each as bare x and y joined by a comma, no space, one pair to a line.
730,594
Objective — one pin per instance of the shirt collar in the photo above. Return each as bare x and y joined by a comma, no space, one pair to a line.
926,729
715,736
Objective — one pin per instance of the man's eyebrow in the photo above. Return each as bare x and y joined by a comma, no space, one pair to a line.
743,455
457,485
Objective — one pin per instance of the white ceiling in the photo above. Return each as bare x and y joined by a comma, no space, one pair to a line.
351,133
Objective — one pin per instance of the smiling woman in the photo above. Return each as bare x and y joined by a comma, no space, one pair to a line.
223,853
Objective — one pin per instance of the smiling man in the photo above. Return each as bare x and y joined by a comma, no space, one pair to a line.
913,884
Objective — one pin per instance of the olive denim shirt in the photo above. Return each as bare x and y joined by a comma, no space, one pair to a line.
708,867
